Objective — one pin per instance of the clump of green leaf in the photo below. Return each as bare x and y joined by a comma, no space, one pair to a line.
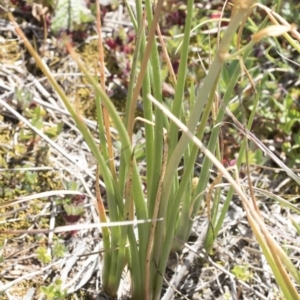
37,115
23,98
72,206
15,184
71,15
58,250
54,291
42,255
242,272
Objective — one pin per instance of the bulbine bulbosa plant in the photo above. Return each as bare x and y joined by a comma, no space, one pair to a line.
172,199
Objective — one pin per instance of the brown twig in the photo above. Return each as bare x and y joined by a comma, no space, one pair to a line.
102,82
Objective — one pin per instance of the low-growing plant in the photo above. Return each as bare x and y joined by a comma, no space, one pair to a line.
54,291
242,272
72,206
42,255
59,249
72,16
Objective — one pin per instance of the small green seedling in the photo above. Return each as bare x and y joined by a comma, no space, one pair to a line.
59,250
54,291
242,272
42,255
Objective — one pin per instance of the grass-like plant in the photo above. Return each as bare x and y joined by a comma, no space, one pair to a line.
171,197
